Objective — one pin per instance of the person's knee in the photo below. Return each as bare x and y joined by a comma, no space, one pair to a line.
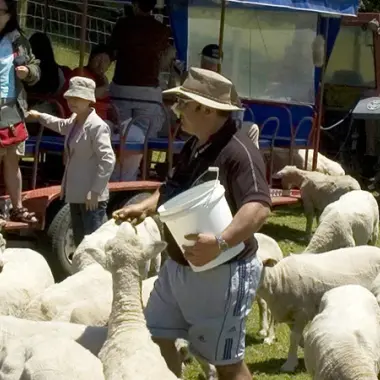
11,159
164,343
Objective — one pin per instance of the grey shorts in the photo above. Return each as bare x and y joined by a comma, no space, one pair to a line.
209,309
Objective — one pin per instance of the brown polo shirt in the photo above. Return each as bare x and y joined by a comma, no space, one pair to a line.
137,44
241,172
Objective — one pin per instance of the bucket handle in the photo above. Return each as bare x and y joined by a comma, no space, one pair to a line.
210,169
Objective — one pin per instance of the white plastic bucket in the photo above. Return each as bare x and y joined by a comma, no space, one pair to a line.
201,209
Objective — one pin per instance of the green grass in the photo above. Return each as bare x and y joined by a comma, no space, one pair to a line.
286,226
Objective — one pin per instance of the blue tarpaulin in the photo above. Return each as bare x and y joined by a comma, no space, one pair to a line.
333,7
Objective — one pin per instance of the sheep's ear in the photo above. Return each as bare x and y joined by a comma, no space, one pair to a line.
269,262
153,249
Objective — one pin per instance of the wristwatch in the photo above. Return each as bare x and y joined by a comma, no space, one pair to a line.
223,246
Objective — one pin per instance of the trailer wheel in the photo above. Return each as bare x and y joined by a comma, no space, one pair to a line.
62,241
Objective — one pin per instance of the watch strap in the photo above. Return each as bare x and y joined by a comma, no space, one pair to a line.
223,245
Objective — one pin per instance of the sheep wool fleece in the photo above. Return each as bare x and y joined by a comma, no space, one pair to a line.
24,275
91,338
343,340
297,283
46,358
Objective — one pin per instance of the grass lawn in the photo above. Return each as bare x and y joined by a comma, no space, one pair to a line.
286,226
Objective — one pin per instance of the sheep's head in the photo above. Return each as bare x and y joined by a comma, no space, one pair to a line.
289,176
127,248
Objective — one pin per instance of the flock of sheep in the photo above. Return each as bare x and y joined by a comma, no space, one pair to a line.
92,325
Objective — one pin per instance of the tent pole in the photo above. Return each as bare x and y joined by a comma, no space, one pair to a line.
83,33
317,136
221,32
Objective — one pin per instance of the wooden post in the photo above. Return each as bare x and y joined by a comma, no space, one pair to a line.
221,32
83,32
46,16
22,11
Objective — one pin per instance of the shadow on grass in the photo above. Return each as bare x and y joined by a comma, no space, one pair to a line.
289,210
283,232
252,339
272,366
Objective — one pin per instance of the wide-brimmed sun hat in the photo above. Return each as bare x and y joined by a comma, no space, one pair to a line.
208,88
81,87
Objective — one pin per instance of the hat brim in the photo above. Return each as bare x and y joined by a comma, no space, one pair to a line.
74,94
202,100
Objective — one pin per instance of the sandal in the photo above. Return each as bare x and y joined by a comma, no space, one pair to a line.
22,215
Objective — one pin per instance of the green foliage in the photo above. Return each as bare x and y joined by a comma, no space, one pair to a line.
369,6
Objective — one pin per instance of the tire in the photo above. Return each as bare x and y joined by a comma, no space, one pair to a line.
60,234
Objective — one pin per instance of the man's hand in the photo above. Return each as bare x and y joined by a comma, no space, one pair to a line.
135,214
92,201
22,72
205,249
33,115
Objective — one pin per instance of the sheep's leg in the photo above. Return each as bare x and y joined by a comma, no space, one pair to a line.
271,337
292,361
263,316
208,369
309,213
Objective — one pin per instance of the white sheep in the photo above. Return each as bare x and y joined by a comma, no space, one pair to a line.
294,286
24,274
317,190
343,340
267,249
351,220
128,337
91,249
375,288
90,337
91,286
42,357
324,164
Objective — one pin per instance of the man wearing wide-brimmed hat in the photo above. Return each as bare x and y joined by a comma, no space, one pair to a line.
209,308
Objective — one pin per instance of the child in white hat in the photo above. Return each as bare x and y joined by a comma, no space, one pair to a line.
89,157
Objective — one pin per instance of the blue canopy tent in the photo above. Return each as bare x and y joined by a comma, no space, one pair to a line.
328,25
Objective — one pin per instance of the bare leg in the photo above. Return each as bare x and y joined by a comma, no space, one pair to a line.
12,177
263,316
238,371
171,355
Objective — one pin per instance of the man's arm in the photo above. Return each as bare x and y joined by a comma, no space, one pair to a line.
248,220
251,193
